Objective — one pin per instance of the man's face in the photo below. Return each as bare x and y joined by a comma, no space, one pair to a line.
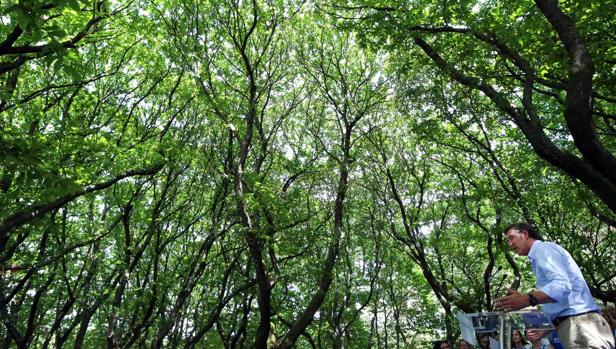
485,342
445,346
518,241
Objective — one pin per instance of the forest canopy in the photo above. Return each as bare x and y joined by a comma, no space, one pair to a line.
277,174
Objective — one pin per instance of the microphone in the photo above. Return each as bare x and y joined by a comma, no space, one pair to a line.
498,289
494,274
500,284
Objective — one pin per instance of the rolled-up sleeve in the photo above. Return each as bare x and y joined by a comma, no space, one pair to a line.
552,277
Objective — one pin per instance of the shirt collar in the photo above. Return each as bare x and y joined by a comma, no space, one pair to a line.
533,249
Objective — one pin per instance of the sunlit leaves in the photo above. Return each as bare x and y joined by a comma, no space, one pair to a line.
173,83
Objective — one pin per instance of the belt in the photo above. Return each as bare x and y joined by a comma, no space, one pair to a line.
560,319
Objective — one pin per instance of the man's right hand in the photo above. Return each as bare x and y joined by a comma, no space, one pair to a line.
513,301
535,334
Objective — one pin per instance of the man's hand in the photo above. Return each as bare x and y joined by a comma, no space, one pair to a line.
535,335
514,300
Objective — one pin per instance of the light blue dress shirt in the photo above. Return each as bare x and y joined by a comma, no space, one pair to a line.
560,278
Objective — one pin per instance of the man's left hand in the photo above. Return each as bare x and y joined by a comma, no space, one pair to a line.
514,300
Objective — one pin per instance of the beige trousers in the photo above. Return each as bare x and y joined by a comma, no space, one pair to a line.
587,331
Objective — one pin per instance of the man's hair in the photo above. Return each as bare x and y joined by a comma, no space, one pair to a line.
465,341
532,231
437,344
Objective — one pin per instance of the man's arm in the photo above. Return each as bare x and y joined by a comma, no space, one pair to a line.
515,300
552,265
540,296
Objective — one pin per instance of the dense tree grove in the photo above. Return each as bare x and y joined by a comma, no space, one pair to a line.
277,174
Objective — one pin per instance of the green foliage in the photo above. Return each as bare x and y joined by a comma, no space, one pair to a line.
155,155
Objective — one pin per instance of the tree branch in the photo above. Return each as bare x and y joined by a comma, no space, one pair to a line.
37,211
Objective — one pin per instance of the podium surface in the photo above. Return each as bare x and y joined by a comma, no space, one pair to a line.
501,324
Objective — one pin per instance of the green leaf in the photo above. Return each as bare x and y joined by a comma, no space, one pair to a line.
74,4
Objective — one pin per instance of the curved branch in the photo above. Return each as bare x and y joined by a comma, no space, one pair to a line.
543,146
34,212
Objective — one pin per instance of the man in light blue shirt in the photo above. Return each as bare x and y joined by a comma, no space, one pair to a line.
561,289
